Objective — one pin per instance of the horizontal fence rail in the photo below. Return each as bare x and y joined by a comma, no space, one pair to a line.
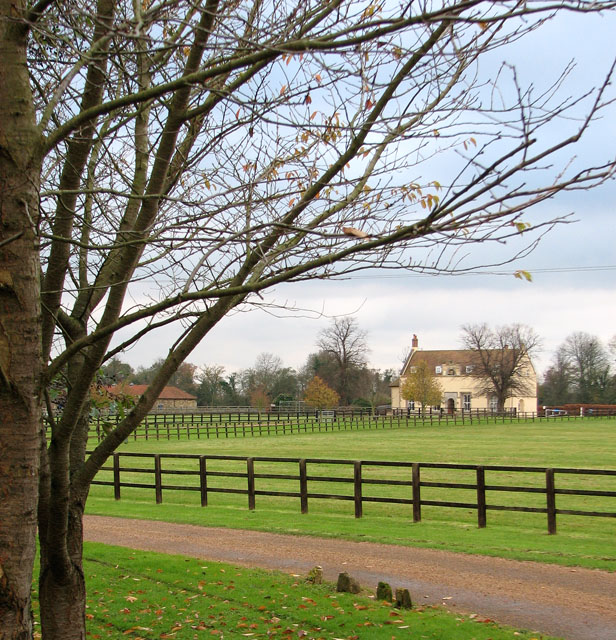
167,426
250,474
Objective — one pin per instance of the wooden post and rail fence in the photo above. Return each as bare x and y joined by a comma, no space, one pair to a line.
249,481
167,426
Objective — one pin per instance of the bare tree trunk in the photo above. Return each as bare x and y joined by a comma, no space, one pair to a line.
62,587
20,331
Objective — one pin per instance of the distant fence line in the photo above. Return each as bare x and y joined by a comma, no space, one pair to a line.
210,425
282,410
199,469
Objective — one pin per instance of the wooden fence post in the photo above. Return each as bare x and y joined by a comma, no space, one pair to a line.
250,469
158,479
357,493
481,497
116,475
303,485
416,493
551,500
203,480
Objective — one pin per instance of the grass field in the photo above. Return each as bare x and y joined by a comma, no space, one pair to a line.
580,540
215,426
139,595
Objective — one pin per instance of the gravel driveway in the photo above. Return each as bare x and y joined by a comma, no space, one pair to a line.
573,603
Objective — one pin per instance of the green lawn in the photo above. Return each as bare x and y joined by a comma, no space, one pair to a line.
574,443
580,540
218,426
140,595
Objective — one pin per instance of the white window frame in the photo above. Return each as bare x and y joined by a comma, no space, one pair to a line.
438,369
469,368
466,401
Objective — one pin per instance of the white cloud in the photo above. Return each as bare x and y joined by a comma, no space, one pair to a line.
392,310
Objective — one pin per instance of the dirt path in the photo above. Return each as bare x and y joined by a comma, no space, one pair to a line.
576,604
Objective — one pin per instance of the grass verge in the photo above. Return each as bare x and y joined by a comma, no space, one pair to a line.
144,595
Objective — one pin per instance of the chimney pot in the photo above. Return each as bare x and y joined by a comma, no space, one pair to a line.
415,342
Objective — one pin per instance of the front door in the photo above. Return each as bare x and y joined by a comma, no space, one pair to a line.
451,406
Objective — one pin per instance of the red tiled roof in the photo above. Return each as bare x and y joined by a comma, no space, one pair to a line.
168,393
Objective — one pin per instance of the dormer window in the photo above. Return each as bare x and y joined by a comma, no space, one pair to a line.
413,369
469,368
451,372
438,368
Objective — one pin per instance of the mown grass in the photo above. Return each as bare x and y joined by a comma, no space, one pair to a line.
580,443
206,426
582,541
144,595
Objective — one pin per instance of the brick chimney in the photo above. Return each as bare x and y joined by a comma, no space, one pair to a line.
415,342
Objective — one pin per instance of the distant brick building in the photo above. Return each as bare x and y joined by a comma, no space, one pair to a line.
170,397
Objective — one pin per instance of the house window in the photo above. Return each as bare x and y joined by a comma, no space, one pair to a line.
466,401
452,372
411,405
493,403
438,368
469,368
413,369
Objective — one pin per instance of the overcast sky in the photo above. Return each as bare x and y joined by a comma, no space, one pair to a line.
574,267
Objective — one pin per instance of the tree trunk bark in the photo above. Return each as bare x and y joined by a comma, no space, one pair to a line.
62,589
20,329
